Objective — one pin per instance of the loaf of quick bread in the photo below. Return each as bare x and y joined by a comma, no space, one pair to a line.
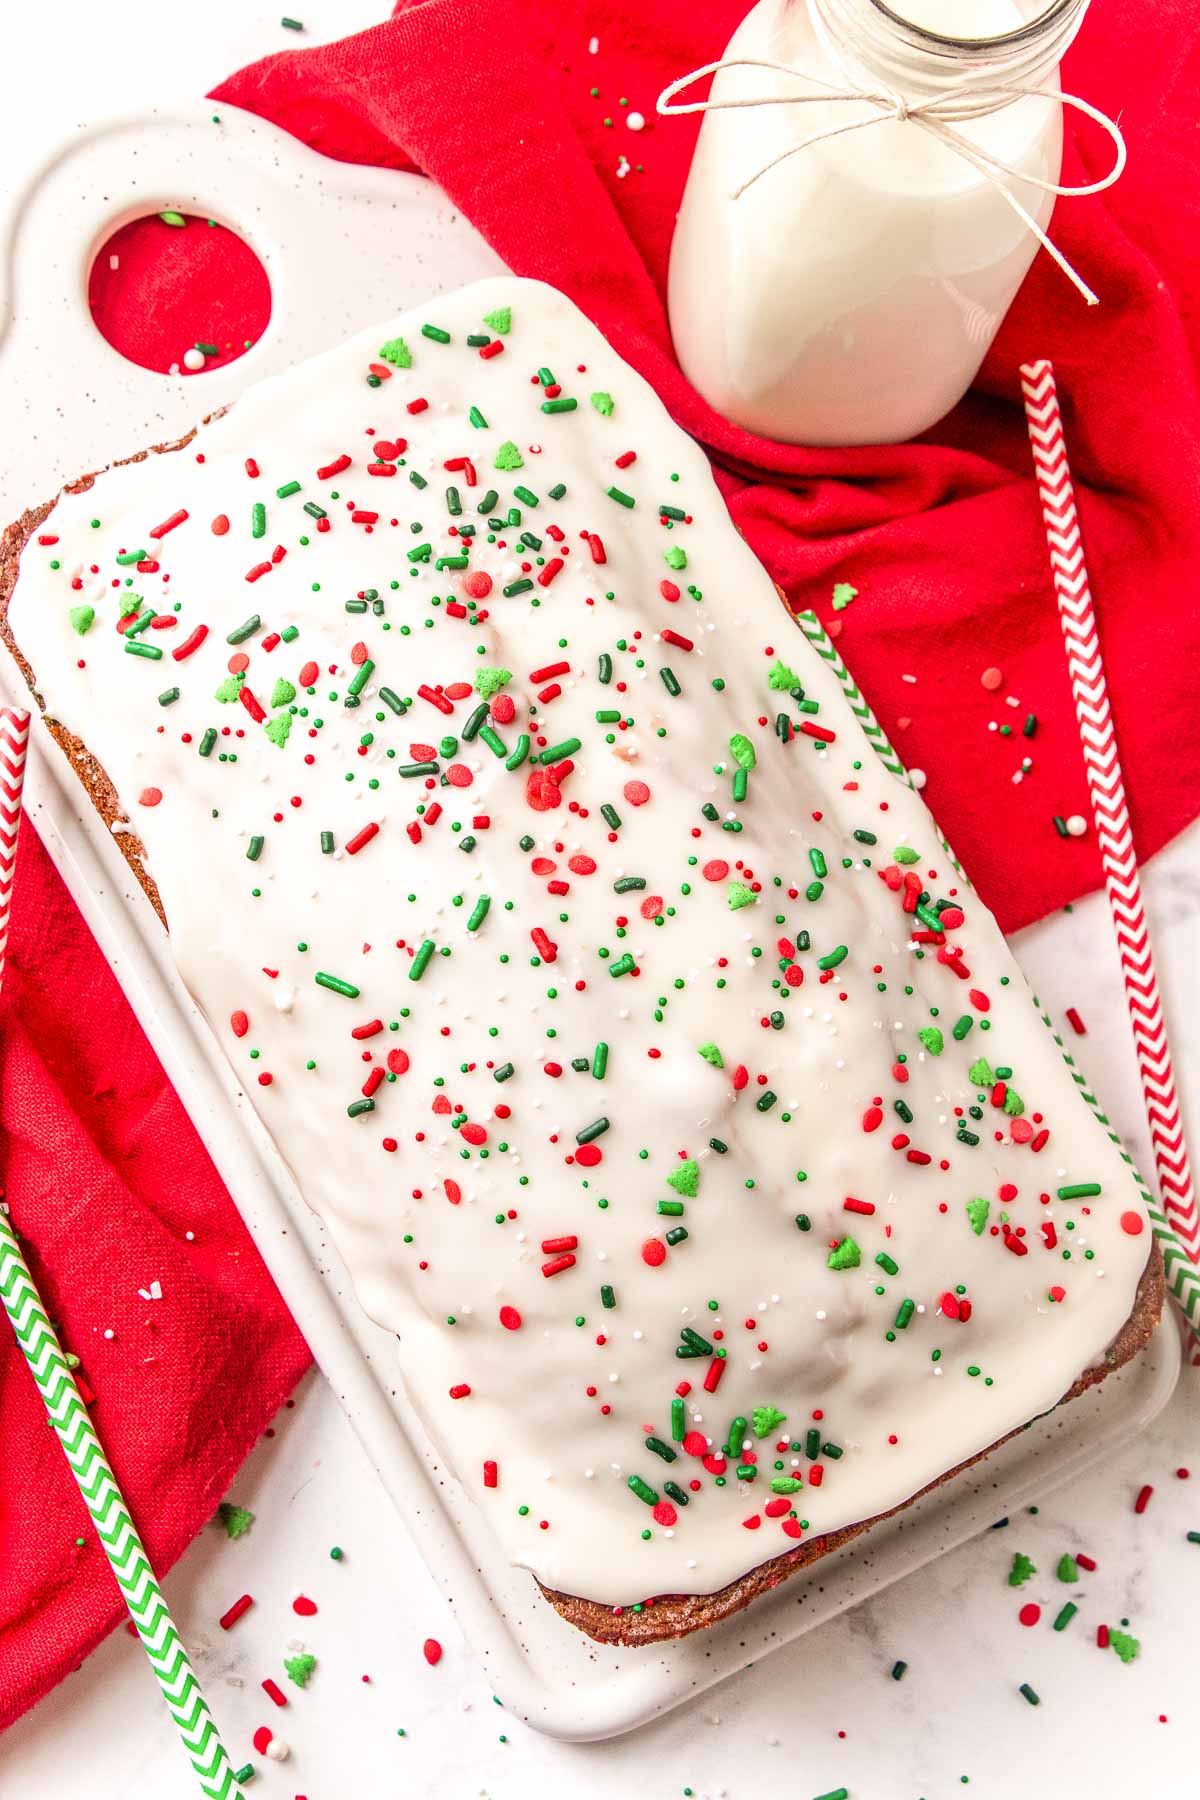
666,1090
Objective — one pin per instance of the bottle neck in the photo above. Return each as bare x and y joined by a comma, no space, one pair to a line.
876,43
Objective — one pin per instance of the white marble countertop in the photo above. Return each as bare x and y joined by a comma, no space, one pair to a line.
820,1715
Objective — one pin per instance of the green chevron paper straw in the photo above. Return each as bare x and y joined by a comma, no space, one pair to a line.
69,1417
114,1527
1183,1275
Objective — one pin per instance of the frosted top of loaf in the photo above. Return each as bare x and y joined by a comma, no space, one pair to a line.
664,1088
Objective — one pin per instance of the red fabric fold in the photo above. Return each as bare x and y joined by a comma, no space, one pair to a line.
942,538
106,1178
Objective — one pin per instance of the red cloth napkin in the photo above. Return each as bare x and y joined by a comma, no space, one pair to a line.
942,539
106,1179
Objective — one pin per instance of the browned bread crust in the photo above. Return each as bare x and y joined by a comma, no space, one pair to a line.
668,1615
94,777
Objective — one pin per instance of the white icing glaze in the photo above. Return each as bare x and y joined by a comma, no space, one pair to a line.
562,1406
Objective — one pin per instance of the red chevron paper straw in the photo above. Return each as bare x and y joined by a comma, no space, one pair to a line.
1107,790
14,739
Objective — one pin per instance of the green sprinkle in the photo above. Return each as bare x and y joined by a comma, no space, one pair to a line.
556,752
81,618
172,218
904,1314
327,843
600,1061
479,912
739,895
1022,1569
258,520
299,1668
887,1263
1125,1646
562,405
962,1027
643,1490
396,352
1029,1694
254,848
608,1298
151,652
435,333
508,457
235,1520
208,742
357,1107
604,404
834,958
1080,1190
843,594
845,1255
622,499
898,1669
245,630
168,696
336,984
490,681
287,490
499,321
932,1039
1065,1614
420,961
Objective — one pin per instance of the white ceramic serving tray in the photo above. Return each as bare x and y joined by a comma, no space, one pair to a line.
343,246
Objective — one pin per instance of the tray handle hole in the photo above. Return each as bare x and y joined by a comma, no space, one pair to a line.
178,293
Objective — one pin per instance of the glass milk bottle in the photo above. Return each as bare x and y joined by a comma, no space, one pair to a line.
850,291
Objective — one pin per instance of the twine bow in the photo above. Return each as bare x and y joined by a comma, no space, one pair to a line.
936,116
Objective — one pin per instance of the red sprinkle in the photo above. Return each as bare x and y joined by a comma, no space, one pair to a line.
360,838
432,1651
274,1692
305,1607
176,518
1143,1499
237,1611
